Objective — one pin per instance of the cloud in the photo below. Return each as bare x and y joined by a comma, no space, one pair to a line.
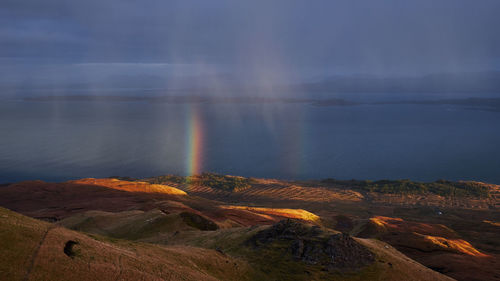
266,38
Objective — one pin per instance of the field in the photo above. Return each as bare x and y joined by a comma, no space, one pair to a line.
172,228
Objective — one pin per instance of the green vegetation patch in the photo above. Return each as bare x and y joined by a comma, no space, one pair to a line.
166,179
212,180
439,187
228,183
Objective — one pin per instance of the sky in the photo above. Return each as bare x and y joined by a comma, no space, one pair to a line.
261,42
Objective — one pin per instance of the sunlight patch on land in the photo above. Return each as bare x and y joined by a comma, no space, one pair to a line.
287,213
494,223
135,186
455,244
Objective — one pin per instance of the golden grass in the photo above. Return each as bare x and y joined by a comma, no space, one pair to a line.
393,265
384,221
492,223
130,225
137,186
458,245
426,235
390,264
286,213
33,250
400,225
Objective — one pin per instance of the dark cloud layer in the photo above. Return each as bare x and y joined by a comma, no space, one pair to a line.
275,39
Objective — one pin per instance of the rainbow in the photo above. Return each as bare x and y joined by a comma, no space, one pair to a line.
194,141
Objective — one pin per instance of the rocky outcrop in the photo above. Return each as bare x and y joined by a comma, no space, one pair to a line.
314,245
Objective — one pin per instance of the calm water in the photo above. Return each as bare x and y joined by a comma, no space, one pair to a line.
62,140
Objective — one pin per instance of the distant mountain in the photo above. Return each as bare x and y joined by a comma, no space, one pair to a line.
485,82
477,82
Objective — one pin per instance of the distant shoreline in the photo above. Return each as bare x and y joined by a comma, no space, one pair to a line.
486,104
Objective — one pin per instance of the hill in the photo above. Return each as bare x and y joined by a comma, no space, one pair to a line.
36,250
441,193
56,201
222,213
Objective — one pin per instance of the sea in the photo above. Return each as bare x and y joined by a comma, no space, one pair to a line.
60,140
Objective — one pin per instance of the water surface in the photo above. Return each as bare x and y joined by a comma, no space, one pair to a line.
60,140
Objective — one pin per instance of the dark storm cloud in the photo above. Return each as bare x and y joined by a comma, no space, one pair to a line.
267,38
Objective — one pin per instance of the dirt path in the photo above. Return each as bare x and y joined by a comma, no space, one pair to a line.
35,254
120,265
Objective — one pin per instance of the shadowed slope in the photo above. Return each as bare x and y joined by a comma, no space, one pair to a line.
53,201
35,250
150,213
56,201
435,246
295,250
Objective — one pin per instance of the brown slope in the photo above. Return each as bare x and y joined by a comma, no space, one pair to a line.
66,199
294,251
135,186
435,246
270,190
317,192
35,250
56,201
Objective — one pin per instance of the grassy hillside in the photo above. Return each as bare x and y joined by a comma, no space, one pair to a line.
137,225
184,217
434,245
440,187
276,254
212,180
35,250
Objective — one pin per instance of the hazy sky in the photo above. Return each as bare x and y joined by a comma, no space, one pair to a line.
266,40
